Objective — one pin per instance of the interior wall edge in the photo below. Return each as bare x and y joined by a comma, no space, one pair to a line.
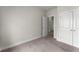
19,43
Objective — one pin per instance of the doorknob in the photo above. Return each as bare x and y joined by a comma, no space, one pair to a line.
72,30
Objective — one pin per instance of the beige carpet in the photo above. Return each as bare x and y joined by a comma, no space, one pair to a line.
39,45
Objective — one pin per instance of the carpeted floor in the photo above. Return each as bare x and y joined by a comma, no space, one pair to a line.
46,44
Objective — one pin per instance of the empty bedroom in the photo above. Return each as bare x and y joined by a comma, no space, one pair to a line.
39,28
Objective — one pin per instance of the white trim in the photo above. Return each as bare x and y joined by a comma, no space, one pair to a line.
16,44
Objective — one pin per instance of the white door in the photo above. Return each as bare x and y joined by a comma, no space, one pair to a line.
76,28
65,27
44,26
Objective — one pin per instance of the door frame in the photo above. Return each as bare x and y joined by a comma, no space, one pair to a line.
52,25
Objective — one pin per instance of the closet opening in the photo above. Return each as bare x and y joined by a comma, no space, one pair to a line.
50,27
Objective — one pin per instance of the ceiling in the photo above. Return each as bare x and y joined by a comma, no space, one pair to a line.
46,8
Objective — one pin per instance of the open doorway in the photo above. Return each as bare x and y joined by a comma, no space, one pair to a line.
50,27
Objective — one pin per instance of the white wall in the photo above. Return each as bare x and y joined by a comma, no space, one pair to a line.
64,8
53,12
19,24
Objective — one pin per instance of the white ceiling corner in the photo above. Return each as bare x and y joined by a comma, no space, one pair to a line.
46,8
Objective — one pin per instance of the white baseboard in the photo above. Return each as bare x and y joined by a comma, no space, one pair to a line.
67,46
16,44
